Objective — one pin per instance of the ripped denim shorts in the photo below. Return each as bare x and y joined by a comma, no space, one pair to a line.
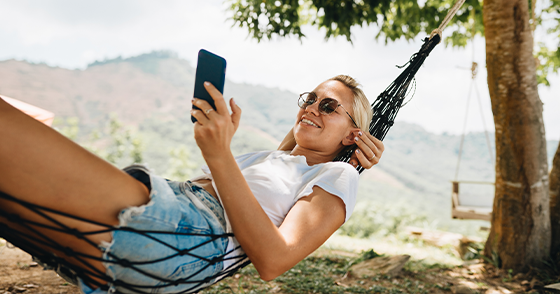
191,214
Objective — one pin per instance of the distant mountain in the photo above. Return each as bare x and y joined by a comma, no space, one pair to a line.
152,93
93,93
135,88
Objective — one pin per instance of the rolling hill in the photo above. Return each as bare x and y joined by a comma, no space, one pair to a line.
150,94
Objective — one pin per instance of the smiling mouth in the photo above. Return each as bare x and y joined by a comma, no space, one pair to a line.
306,121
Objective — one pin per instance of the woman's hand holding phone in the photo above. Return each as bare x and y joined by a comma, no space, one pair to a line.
209,68
214,129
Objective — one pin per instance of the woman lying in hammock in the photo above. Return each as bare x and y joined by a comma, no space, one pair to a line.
281,205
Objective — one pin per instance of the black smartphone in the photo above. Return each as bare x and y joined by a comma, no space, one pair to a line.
209,68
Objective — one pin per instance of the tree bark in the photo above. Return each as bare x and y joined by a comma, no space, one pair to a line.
520,231
555,206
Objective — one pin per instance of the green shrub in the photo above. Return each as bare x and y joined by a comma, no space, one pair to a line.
373,218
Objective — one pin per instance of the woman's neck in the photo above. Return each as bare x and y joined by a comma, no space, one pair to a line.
313,156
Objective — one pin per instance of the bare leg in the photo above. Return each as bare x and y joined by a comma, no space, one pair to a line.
40,166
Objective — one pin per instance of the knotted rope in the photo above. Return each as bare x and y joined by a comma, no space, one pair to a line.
387,104
39,245
447,19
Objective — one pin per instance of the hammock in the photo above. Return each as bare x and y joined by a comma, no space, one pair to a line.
387,104
385,109
70,272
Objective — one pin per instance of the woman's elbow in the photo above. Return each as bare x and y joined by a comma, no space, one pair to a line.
270,271
269,275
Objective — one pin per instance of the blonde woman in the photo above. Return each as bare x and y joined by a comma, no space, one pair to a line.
280,205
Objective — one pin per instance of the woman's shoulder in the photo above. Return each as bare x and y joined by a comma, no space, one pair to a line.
338,170
299,162
341,165
255,155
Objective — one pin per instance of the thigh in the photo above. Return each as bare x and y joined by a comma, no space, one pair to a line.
190,237
42,167
39,165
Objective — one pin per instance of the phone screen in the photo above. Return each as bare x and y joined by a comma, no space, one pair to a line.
209,68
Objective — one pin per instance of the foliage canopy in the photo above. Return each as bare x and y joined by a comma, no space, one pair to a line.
395,18
265,19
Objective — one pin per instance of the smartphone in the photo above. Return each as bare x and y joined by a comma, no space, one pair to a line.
209,68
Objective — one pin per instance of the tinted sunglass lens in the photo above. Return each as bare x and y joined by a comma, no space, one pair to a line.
306,99
301,102
328,105
310,99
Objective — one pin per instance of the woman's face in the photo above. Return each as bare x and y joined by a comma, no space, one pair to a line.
326,133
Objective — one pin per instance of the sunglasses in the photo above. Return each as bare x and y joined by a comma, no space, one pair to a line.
326,106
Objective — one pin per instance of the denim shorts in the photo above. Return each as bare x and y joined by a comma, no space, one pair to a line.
176,207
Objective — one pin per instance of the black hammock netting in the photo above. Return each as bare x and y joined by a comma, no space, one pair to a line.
28,237
389,102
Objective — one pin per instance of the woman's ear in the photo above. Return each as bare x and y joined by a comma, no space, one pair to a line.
351,138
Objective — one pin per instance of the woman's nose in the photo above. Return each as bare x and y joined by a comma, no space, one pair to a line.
313,108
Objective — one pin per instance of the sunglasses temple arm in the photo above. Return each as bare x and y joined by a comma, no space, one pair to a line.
350,116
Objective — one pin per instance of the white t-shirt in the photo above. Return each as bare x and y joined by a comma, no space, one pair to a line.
278,180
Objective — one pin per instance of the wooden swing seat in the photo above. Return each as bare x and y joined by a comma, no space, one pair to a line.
480,211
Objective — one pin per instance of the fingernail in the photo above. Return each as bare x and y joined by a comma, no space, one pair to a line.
193,100
233,100
358,151
354,164
356,139
207,83
360,133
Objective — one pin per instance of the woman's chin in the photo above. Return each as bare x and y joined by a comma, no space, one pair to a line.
313,143
305,134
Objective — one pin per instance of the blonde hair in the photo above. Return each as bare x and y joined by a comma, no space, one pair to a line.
361,108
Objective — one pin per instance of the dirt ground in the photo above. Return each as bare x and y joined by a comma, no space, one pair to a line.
19,274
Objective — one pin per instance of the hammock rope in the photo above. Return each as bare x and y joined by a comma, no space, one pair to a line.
385,109
388,103
447,19
29,238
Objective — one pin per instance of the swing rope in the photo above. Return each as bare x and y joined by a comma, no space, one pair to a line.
474,69
27,237
473,85
474,72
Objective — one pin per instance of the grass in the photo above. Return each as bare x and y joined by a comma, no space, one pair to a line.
315,274
394,245
328,274
430,270
375,230
326,271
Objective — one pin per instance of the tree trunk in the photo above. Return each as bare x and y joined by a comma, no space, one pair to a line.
520,231
555,206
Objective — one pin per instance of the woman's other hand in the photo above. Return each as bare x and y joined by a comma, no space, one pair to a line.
214,129
369,150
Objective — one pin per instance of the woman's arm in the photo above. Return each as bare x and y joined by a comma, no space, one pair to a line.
272,250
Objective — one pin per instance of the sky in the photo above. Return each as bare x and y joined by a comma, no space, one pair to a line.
71,34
